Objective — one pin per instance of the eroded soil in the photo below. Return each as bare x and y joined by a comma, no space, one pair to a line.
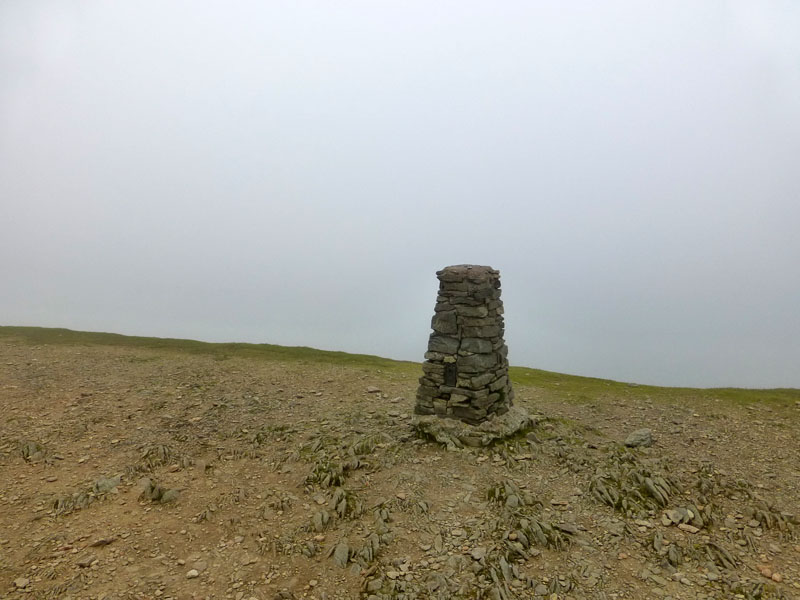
138,473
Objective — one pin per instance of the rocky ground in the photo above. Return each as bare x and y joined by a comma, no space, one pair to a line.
134,472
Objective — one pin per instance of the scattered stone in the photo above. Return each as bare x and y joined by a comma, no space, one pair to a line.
155,492
192,574
104,485
22,583
87,561
639,438
200,566
373,390
455,434
688,528
341,554
103,541
478,553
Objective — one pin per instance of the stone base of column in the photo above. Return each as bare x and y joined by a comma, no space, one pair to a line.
456,434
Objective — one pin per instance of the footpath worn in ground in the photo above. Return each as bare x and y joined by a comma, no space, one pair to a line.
135,468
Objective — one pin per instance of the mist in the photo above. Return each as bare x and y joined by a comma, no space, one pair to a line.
295,173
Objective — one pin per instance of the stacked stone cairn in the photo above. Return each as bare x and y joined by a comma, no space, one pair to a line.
466,365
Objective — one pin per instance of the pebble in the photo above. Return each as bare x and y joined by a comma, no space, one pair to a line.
478,553
192,574
640,437
86,561
341,554
200,566
22,582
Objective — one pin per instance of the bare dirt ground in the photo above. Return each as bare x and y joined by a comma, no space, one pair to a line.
132,472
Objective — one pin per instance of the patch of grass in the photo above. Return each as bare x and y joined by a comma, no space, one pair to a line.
589,389
572,388
219,351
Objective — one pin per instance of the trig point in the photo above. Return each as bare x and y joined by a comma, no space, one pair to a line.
466,365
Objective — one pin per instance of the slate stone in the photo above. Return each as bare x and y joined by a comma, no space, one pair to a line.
639,438
476,345
443,344
445,322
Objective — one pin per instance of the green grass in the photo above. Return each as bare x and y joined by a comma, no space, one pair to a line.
557,385
221,351
579,388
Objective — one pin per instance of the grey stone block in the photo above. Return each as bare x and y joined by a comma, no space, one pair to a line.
445,322
443,344
476,363
476,345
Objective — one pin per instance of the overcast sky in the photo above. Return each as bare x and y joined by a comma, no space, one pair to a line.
295,173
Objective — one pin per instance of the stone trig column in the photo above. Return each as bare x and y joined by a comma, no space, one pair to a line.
466,365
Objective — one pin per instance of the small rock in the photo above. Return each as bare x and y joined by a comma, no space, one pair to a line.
341,554
373,390
169,496
674,516
22,582
103,541
86,561
777,577
192,574
688,528
640,437
105,485
478,553
200,566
